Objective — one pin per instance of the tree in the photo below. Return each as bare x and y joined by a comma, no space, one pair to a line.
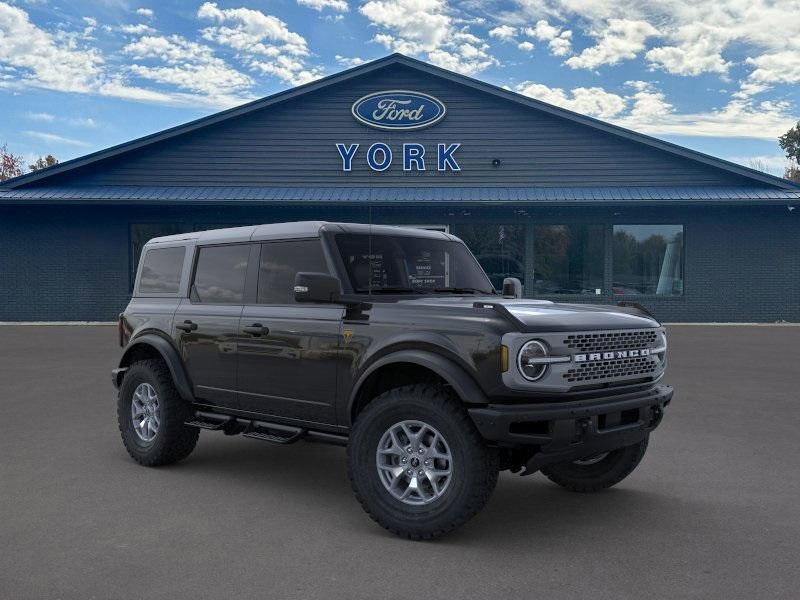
790,142
10,165
43,162
759,164
793,173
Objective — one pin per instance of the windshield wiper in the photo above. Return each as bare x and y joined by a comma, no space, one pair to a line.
388,290
462,290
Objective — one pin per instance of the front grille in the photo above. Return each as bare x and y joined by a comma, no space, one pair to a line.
606,342
612,369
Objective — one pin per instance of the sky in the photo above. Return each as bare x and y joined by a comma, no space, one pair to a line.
717,76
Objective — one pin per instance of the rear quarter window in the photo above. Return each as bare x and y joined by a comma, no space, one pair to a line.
161,271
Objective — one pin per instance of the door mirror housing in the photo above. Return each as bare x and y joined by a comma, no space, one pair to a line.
512,287
316,287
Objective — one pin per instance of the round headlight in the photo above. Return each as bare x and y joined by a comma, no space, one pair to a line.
528,360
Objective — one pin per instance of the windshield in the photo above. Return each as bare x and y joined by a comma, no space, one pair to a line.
400,264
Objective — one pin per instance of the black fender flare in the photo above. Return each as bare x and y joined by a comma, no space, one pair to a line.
462,382
170,356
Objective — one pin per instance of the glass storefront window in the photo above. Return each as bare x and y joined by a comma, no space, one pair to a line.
568,259
499,248
648,259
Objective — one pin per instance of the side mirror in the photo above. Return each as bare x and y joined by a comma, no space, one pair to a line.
316,287
512,287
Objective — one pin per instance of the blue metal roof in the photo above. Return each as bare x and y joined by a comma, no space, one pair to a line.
399,196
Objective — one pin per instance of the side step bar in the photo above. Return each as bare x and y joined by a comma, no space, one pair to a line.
272,432
212,421
275,433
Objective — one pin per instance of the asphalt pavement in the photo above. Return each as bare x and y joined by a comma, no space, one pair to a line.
713,511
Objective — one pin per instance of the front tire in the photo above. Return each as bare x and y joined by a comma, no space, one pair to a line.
595,473
417,464
152,416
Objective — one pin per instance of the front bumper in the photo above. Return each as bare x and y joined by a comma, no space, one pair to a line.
563,431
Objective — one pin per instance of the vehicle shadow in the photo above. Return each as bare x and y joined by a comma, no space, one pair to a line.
522,509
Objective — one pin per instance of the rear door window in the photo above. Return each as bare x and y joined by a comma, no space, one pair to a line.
220,274
161,270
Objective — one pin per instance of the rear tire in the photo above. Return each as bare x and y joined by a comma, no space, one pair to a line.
592,475
439,427
157,435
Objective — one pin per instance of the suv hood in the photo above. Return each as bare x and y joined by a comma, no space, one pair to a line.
542,315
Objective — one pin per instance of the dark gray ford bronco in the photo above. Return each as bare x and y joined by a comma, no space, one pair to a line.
390,341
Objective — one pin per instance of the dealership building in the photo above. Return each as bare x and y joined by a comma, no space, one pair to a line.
578,209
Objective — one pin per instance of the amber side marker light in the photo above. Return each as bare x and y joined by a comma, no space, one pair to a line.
503,359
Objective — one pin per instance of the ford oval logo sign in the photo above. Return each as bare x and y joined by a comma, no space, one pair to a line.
398,110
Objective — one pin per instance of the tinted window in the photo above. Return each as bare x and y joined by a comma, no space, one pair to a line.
220,273
568,259
280,262
648,259
404,264
141,233
161,271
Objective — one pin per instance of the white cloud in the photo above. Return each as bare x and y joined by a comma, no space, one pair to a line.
693,36
55,139
558,40
776,67
349,61
251,31
646,110
698,50
543,31
138,29
208,79
188,65
619,40
503,32
525,46
427,28
594,101
319,5
289,69
46,117
53,61
145,12
61,61
263,42
40,116
91,25
173,49
86,122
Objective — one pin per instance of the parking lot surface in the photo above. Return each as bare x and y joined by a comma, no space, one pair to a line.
712,512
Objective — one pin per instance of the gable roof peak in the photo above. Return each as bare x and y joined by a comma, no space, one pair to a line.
430,69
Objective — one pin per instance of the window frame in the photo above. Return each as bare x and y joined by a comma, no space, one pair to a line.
195,262
633,297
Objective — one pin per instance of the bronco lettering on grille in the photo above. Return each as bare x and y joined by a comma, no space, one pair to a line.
595,356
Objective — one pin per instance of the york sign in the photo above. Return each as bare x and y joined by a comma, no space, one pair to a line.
399,110
380,157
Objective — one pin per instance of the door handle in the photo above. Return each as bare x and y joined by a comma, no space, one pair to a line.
256,329
186,326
